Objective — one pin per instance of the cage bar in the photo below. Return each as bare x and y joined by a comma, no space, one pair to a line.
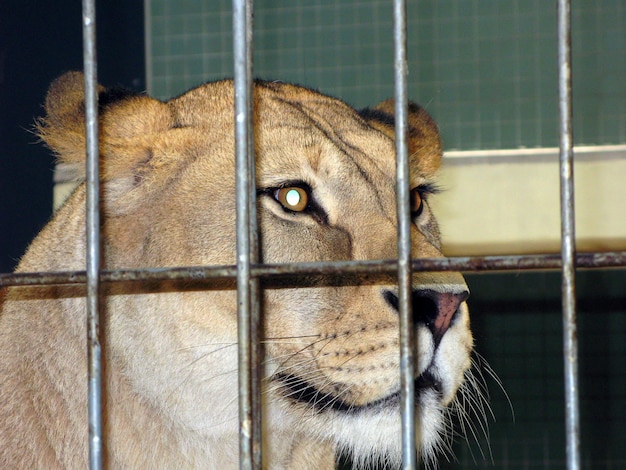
568,238
94,376
247,287
407,337
517,263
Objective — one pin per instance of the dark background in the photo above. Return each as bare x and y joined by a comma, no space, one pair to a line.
39,40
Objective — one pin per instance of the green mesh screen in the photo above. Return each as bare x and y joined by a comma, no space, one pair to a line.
485,69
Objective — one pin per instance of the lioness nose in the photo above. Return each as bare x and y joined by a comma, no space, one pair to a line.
432,308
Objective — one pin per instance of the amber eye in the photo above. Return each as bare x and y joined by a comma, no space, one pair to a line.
292,198
417,203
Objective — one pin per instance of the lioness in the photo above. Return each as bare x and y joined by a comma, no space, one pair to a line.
326,191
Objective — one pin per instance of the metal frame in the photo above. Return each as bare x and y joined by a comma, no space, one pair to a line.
248,290
406,335
568,238
94,360
248,271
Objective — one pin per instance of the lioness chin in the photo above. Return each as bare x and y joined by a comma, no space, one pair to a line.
326,191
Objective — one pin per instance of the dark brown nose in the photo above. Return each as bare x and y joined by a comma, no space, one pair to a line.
431,308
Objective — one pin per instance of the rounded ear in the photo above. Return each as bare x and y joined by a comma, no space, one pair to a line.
127,121
63,126
424,140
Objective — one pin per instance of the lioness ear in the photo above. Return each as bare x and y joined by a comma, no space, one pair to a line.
127,124
424,141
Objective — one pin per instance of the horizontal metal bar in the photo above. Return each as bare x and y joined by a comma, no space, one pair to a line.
468,264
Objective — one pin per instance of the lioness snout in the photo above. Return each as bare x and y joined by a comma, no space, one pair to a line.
432,308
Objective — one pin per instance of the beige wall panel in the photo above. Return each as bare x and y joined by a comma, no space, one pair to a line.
509,204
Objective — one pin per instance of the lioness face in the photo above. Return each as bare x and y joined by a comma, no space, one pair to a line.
326,191
333,351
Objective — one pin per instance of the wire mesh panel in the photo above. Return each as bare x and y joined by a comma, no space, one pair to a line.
485,69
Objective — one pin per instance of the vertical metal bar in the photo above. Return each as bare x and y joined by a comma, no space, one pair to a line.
256,367
247,253
255,289
93,237
568,293
407,405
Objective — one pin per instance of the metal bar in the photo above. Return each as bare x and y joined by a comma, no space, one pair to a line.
256,356
568,239
247,288
207,273
93,237
407,338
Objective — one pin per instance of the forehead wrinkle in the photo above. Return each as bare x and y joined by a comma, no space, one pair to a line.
343,147
350,153
305,144
297,153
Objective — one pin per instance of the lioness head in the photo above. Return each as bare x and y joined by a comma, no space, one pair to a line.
326,191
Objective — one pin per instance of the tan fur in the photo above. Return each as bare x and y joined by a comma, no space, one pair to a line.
168,191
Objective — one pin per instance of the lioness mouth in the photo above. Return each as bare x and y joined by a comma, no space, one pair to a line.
299,390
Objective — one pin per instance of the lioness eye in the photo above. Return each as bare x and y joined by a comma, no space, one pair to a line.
417,203
292,198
